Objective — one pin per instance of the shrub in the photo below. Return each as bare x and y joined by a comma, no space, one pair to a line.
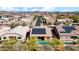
9,43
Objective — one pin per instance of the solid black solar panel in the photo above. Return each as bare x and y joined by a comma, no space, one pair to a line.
38,31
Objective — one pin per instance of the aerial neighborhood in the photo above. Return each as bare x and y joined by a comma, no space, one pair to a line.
39,31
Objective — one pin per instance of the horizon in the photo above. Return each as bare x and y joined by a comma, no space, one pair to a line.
40,9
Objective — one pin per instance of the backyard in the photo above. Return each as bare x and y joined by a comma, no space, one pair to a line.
32,45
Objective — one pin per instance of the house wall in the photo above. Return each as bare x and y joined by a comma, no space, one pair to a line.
65,38
45,37
55,31
4,29
48,38
11,35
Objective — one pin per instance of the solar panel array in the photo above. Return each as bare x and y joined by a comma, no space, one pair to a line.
38,31
68,28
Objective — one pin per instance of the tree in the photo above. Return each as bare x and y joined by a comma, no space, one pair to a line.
58,17
0,16
32,43
57,44
24,24
35,17
75,19
8,45
14,24
66,23
39,20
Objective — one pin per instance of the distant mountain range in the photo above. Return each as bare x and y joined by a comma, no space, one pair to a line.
40,9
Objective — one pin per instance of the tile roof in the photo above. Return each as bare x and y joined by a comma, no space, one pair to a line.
68,30
19,30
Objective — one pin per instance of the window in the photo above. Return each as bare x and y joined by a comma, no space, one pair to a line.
19,37
77,37
48,37
12,37
0,38
74,37
41,38
4,37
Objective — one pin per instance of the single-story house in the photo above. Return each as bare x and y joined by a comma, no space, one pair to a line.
65,20
75,24
26,19
66,33
4,29
41,32
18,32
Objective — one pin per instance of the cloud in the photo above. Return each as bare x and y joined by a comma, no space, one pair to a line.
65,10
35,8
6,8
26,8
68,10
48,9
20,8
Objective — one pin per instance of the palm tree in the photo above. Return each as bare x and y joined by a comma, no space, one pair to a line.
39,20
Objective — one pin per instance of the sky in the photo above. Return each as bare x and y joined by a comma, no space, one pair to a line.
39,5
48,9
